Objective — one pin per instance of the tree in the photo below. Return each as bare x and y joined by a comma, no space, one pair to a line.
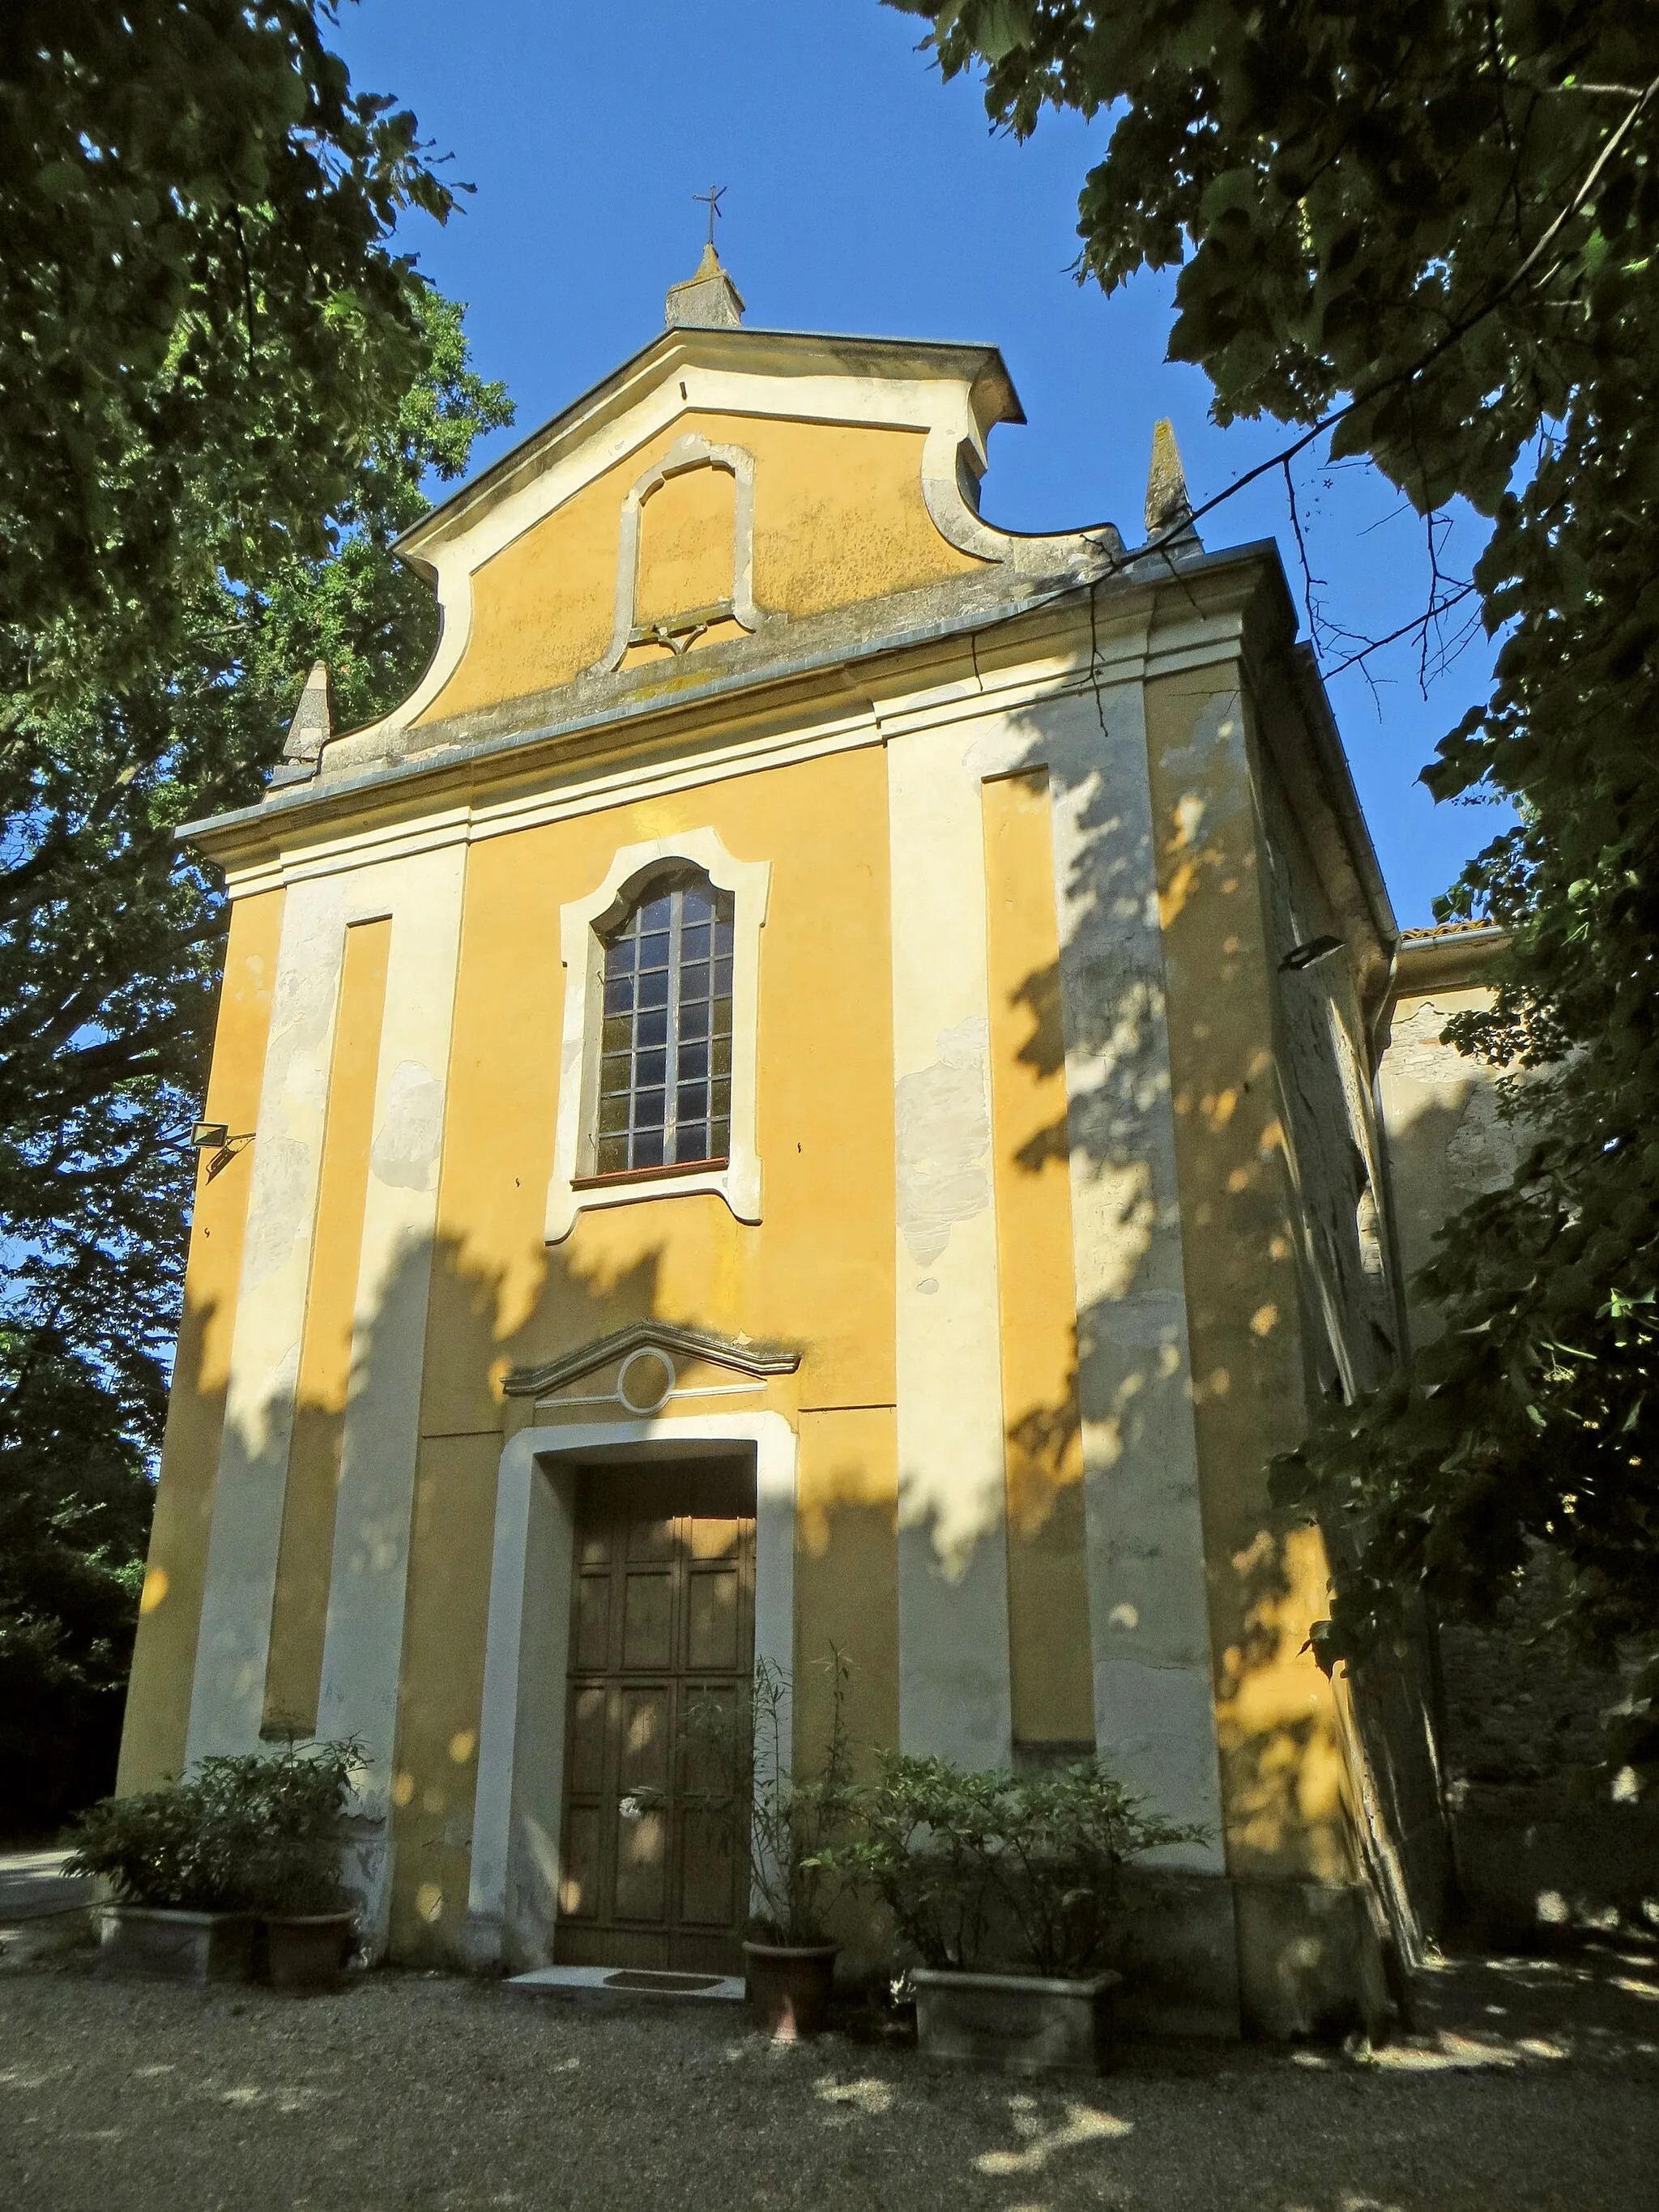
1426,232
201,326
110,946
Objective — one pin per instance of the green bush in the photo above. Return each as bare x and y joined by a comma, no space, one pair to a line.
264,1832
975,1866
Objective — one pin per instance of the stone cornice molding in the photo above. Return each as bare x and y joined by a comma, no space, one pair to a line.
1135,627
758,1361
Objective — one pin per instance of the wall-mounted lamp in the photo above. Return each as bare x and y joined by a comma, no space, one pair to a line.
215,1136
1303,955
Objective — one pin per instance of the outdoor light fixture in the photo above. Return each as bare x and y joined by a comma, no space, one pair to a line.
215,1136
1303,955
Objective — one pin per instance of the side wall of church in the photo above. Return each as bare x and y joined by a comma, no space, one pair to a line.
1447,1142
1350,1303
1334,1150
1243,1215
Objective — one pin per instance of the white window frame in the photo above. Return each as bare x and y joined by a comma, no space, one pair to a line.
583,924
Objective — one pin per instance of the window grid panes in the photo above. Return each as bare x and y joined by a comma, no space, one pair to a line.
665,1052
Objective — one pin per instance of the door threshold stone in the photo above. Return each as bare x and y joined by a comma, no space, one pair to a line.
627,1985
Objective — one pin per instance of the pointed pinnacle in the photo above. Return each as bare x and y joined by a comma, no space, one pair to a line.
314,718
1167,503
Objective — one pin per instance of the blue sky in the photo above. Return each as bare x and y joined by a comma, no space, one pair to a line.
864,195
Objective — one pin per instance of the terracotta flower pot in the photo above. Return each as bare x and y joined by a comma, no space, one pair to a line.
305,1951
789,1986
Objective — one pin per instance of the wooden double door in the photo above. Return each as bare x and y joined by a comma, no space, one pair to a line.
655,1870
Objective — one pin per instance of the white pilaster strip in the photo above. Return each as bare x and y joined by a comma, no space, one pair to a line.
362,1644
954,1691
227,1693
1154,1699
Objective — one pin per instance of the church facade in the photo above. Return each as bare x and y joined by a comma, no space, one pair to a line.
811,1090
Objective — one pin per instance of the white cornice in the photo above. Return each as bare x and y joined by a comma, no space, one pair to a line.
957,678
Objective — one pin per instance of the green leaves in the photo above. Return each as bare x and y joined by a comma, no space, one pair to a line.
983,1867
264,1833
111,941
201,320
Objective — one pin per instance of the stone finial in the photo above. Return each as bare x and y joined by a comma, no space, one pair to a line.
1167,503
708,301
313,718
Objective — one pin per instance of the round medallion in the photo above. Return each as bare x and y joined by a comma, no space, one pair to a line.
649,1402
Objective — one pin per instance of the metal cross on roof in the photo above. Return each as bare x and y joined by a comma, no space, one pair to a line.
712,197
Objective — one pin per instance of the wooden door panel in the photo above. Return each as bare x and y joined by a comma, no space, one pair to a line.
716,1536
591,1637
642,1879
648,1619
650,1529
712,1617
579,1882
646,1737
587,1741
655,1870
707,1740
708,1896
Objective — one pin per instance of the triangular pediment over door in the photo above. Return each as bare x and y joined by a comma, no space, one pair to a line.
640,1368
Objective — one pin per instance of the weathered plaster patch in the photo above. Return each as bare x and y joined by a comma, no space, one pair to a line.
283,1215
1483,1153
944,1135
405,1150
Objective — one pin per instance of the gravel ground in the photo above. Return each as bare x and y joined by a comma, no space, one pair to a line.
1530,2083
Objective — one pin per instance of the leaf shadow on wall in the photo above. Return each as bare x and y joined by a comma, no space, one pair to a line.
1190,1189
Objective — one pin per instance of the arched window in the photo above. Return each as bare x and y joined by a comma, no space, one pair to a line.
665,1097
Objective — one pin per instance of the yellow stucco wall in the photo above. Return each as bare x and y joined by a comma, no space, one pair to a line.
1048,1641
1284,1777
818,1271
442,1690
686,544
164,1658
839,517
847,1572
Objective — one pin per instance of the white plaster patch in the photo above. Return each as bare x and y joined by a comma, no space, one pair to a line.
944,1135
284,1215
405,1150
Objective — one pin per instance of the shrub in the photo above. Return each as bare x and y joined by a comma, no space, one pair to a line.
263,1833
784,1822
972,1865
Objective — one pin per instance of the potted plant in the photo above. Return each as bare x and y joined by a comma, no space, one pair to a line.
242,1845
1002,1888
294,1874
174,1858
787,1821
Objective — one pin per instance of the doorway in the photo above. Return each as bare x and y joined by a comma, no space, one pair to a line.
654,1868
